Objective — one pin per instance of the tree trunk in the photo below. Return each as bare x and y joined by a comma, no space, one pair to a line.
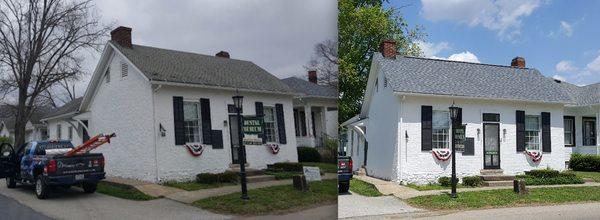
21,118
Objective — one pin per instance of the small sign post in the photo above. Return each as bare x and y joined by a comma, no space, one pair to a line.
459,138
252,127
312,173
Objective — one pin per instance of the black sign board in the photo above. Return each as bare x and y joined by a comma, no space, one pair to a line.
459,138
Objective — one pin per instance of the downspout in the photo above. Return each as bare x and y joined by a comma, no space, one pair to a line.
154,131
403,141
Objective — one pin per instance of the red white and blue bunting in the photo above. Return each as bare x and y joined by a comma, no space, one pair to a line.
535,155
273,147
195,149
442,154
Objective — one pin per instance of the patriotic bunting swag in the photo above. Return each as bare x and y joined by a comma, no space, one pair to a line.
535,156
442,154
273,147
195,149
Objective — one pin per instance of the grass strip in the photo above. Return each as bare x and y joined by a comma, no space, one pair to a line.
363,188
122,191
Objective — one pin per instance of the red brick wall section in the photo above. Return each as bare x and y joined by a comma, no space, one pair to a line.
518,62
122,36
388,49
312,76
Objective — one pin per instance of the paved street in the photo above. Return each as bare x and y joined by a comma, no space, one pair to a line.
571,211
11,209
354,205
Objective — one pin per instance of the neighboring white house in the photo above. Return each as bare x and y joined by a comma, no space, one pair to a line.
508,111
165,105
62,123
35,129
321,101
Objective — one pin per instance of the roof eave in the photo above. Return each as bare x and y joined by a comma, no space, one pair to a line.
476,98
65,115
169,83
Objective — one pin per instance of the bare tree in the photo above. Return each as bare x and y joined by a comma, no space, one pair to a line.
40,45
325,62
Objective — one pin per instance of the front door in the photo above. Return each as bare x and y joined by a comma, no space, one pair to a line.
491,146
6,160
235,141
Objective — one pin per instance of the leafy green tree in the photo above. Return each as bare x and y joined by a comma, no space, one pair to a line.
363,25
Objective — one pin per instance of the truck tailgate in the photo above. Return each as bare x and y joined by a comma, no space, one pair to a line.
85,163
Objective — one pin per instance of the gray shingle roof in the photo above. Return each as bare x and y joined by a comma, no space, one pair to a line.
308,89
582,95
70,107
443,77
184,67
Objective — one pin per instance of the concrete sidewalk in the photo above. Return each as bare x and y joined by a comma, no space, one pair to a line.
405,192
189,197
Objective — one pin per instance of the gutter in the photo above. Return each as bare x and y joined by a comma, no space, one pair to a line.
160,82
65,115
476,98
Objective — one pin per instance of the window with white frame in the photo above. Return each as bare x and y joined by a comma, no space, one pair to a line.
532,132
440,129
569,127
58,131
192,123
270,121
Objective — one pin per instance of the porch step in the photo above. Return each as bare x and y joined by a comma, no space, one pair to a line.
498,183
491,172
497,177
260,178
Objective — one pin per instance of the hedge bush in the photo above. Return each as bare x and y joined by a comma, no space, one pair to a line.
549,177
543,173
226,177
308,154
286,166
444,181
472,181
4,139
580,162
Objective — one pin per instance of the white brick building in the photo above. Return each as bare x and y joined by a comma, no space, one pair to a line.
507,110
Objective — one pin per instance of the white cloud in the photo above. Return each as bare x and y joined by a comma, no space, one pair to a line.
561,78
594,66
503,16
566,28
565,66
465,57
431,49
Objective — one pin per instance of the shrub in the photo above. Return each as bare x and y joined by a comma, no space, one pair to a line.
308,154
444,181
4,139
472,181
580,162
226,177
286,166
543,173
553,181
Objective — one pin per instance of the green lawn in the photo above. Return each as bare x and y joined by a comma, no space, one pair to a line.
430,186
507,198
325,167
363,188
192,185
273,200
282,174
122,191
591,175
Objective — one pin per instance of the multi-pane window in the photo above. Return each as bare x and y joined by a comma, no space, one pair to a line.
440,129
59,131
191,119
124,69
532,132
589,131
569,128
270,124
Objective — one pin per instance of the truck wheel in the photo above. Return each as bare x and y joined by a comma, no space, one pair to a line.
41,189
89,187
343,187
11,182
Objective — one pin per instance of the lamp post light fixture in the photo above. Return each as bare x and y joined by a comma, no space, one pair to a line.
237,102
453,117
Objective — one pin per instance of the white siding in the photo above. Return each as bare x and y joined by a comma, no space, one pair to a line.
52,130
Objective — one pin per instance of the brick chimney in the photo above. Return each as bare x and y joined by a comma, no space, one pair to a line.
122,36
388,49
223,54
518,62
312,76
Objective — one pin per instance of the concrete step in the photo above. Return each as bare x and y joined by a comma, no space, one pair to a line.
498,183
260,178
492,172
497,177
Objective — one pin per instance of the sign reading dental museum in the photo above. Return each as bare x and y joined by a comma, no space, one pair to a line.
459,138
252,128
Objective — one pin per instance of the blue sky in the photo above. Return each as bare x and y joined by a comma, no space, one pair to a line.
559,38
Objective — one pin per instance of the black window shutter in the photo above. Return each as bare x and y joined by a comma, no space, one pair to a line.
178,120
426,135
546,140
280,123
205,117
260,113
217,139
469,146
459,117
520,123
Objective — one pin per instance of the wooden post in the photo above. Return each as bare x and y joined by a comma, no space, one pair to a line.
519,187
300,183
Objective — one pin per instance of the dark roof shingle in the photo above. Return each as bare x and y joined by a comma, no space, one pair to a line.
308,89
70,107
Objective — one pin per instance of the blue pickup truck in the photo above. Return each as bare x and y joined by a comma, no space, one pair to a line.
44,165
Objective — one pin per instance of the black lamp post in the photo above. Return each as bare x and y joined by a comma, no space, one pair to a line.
237,102
453,117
